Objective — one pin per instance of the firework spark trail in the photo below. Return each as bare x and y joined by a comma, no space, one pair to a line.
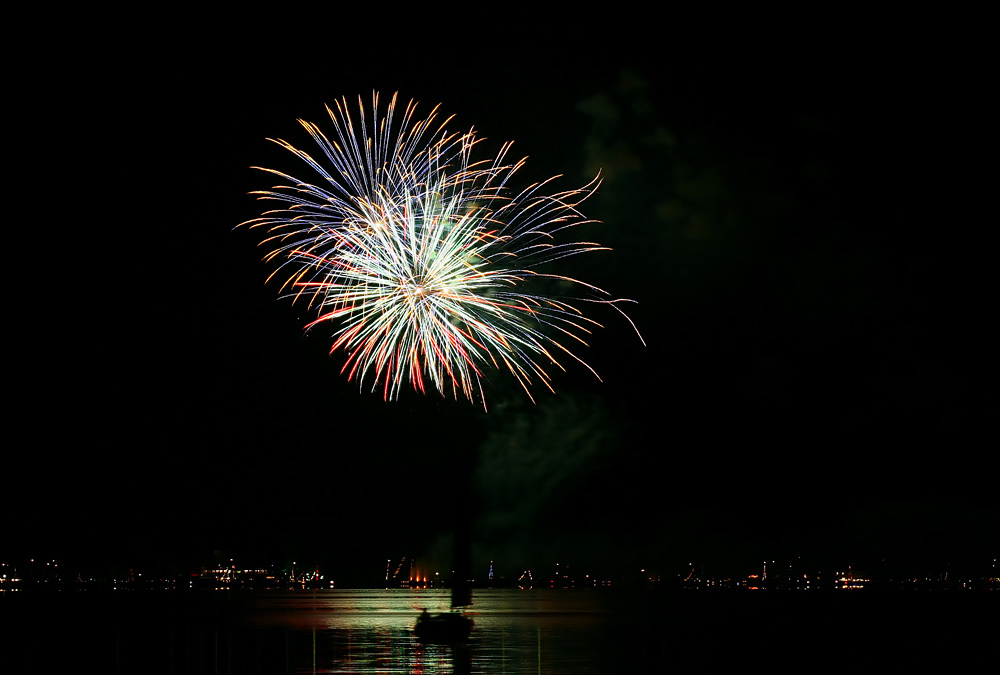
422,258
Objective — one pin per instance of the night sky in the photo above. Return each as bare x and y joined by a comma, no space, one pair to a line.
794,218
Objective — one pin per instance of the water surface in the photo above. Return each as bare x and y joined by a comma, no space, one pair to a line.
534,631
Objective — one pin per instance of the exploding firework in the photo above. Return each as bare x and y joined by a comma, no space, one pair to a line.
423,260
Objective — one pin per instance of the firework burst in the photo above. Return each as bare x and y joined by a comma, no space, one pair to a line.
423,259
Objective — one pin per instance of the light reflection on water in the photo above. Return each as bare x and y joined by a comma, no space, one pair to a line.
517,632
278,633
371,632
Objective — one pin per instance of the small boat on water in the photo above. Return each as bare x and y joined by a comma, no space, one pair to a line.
450,626
447,626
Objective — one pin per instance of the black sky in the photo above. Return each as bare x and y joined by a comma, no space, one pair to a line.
793,218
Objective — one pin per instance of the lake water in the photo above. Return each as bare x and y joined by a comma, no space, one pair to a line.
534,631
